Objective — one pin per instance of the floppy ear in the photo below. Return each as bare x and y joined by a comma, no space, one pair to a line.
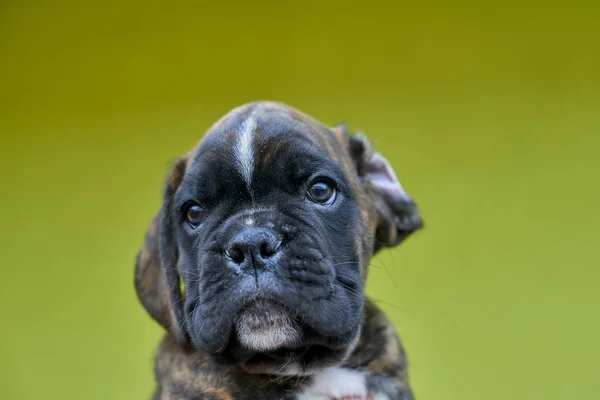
157,278
397,213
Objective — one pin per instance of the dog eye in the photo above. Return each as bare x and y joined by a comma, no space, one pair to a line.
194,214
321,192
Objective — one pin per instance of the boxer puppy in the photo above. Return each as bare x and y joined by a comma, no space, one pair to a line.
256,263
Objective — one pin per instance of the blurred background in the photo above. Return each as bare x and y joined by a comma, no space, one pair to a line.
489,113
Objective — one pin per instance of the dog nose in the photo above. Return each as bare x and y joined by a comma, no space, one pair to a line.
253,245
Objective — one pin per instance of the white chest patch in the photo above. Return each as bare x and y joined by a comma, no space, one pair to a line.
244,152
336,383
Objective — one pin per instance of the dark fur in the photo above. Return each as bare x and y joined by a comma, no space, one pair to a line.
318,276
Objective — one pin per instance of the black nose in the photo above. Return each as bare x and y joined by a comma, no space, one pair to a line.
253,245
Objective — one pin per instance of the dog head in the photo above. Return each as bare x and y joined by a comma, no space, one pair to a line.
260,252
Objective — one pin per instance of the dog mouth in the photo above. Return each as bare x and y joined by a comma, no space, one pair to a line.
270,338
266,326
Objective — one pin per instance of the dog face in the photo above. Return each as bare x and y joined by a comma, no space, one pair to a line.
269,225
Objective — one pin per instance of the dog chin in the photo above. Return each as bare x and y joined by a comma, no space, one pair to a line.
268,338
266,327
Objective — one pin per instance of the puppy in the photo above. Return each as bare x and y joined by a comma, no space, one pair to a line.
256,264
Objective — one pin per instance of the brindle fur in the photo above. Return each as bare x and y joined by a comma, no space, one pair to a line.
188,374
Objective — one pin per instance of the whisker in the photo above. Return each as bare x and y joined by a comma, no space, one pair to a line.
345,263
404,310
388,272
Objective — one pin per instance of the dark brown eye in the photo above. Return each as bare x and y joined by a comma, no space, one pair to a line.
321,192
194,214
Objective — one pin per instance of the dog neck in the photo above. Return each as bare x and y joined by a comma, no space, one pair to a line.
378,350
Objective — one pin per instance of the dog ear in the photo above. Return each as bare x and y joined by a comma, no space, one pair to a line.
397,214
157,278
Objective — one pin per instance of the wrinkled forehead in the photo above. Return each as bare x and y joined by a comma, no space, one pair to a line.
253,133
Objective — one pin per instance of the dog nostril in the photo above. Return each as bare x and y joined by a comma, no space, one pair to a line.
236,254
266,250
269,248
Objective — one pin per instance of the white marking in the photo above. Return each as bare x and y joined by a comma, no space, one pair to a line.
269,331
335,383
249,221
380,396
270,339
243,149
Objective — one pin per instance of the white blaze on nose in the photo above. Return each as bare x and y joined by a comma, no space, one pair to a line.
243,149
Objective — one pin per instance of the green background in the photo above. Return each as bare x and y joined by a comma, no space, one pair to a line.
489,112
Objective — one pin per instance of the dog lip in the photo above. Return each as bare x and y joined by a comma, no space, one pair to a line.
267,326
266,348
265,305
262,300
259,306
